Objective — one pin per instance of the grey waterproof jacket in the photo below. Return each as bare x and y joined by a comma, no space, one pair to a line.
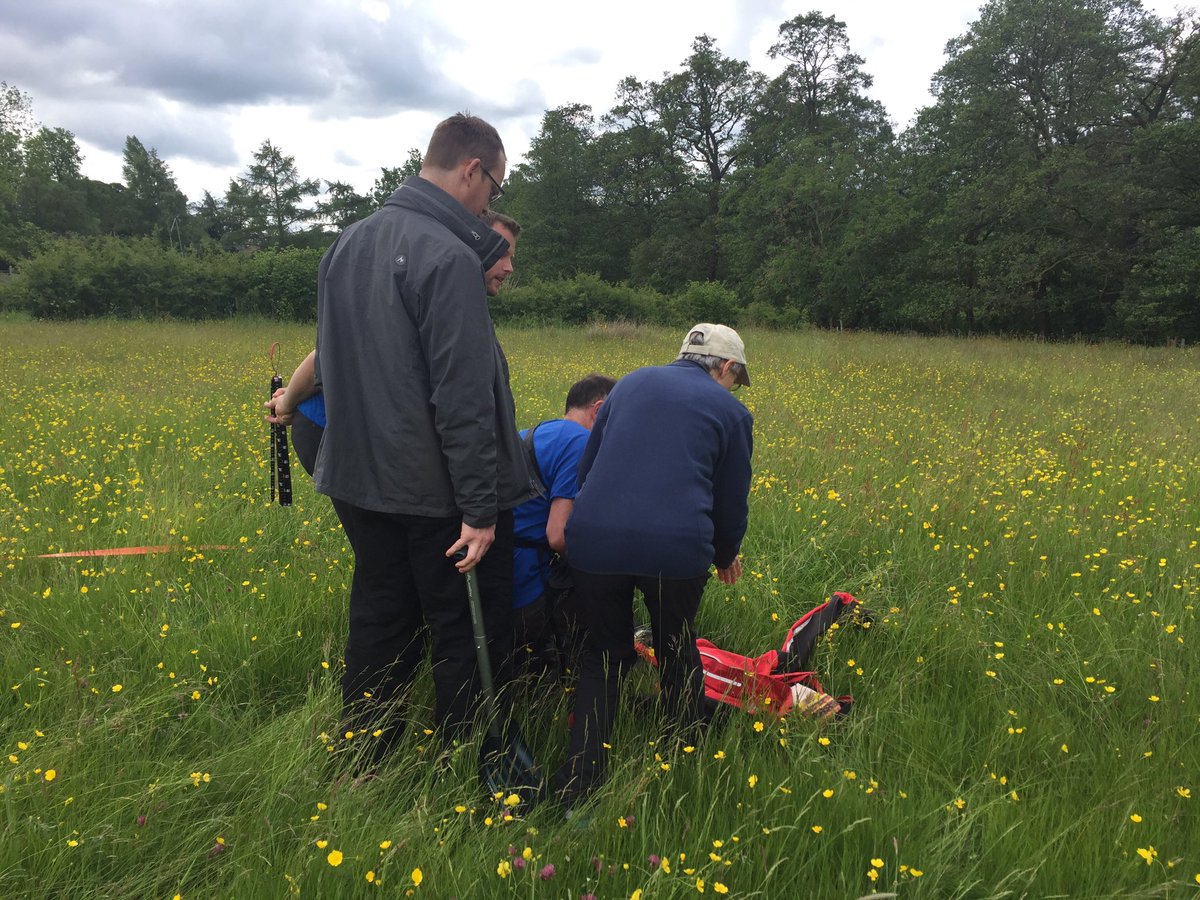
421,419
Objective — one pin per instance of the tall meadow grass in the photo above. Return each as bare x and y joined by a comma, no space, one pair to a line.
1021,516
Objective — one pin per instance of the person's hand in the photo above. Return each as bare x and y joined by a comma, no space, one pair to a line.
278,412
731,573
476,542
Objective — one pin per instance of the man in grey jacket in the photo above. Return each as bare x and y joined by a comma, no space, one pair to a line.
420,454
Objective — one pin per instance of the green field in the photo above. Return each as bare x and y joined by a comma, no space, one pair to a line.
1022,515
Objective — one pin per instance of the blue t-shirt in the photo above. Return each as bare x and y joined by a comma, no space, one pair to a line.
314,408
558,445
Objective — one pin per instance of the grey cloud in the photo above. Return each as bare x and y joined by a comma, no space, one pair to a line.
204,136
219,54
226,53
525,99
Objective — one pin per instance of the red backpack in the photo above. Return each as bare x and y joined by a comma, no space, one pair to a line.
775,683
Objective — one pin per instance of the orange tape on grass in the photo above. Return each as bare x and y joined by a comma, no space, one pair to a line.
127,551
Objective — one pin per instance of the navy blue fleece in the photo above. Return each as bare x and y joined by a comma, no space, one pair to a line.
664,478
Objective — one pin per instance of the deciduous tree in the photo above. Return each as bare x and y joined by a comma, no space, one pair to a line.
391,178
155,203
556,195
51,193
703,109
342,205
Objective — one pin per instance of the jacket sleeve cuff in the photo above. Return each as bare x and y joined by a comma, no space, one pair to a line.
485,520
724,556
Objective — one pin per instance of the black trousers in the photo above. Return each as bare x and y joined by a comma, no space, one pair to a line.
404,584
605,606
547,635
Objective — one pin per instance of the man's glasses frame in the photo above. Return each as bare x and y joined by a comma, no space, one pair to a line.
497,191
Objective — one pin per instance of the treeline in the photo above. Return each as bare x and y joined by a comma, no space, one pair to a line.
136,277
43,196
1052,188
89,277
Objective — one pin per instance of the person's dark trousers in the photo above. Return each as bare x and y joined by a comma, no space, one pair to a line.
547,636
605,604
530,623
402,582
531,630
306,440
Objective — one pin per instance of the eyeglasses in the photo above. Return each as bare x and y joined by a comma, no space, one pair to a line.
497,191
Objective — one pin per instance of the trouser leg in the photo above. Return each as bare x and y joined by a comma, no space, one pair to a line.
443,594
496,590
672,605
567,628
402,581
385,638
605,603
531,628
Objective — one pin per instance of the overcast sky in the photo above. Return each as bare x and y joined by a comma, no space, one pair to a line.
348,86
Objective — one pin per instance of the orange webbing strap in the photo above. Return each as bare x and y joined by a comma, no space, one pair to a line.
127,551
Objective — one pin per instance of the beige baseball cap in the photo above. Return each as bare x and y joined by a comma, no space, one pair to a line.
720,341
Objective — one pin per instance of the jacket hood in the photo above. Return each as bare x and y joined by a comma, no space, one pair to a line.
425,197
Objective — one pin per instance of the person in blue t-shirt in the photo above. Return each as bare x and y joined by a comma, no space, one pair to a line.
307,422
541,622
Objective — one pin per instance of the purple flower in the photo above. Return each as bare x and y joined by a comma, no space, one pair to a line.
596,864
519,862
547,872
141,820
655,860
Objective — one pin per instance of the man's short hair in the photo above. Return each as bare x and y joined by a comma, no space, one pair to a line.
462,137
491,218
712,363
587,391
